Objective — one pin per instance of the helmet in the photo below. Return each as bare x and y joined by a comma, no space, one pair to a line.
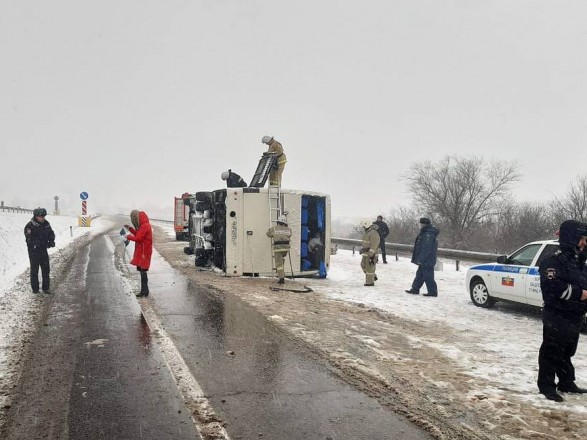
365,223
225,175
40,212
282,219
266,139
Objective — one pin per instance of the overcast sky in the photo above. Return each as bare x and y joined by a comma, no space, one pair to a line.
138,101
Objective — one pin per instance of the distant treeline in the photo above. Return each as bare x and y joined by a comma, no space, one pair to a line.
470,200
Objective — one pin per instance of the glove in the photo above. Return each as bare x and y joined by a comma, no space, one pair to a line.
51,244
364,250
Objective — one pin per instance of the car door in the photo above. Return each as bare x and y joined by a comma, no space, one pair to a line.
533,292
510,278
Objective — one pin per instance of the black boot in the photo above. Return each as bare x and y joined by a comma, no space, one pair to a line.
144,285
571,387
412,291
552,395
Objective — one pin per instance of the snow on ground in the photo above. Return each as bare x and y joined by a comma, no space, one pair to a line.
19,307
500,344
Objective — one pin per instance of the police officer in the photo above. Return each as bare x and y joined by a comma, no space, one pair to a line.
277,149
424,256
369,251
280,235
39,236
233,180
563,282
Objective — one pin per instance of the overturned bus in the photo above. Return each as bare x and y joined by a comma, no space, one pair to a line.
228,230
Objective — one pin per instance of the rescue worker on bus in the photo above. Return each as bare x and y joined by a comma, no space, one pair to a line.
277,149
233,180
369,251
280,236
563,283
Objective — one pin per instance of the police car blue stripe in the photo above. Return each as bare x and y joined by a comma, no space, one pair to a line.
505,268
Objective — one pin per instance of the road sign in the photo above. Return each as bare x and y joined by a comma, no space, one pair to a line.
83,195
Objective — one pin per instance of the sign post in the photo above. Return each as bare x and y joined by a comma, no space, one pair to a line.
84,220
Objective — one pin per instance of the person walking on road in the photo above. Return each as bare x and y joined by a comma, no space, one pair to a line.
142,234
383,230
563,281
369,251
276,149
424,256
39,237
280,235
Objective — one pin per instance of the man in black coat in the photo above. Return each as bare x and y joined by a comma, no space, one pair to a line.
424,255
233,180
39,236
563,282
383,230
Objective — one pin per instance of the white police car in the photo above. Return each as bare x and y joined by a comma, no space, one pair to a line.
513,278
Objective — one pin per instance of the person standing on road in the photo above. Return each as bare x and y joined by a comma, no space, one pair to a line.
280,235
563,281
39,236
142,235
424,256
369,251
276,149
383,230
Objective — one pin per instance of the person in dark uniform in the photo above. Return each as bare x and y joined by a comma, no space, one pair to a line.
424,256
383,230
233,180
39,237
563,282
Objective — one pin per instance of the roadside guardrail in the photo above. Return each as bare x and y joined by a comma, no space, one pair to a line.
453,254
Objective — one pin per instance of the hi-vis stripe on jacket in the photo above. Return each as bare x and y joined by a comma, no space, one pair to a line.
281,235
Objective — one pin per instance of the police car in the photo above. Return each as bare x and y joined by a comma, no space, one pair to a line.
513,278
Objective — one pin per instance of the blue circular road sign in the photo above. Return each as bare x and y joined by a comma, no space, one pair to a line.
83,195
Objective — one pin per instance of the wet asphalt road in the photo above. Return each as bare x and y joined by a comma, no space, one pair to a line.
261,383
95,372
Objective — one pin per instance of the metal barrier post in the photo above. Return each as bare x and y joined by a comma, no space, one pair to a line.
458,264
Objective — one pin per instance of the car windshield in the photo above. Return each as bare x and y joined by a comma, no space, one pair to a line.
524,256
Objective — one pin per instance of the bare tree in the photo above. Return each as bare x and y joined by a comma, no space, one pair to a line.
460,192
403,225
573,205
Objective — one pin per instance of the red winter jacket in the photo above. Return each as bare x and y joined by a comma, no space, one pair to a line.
143,238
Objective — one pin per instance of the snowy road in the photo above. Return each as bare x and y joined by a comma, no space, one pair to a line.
95,369
456,369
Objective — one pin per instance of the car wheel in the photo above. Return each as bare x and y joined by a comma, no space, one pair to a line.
480,295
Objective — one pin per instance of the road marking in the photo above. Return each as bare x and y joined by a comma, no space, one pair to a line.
205,419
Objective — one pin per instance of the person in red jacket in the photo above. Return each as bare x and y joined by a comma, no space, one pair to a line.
142,235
